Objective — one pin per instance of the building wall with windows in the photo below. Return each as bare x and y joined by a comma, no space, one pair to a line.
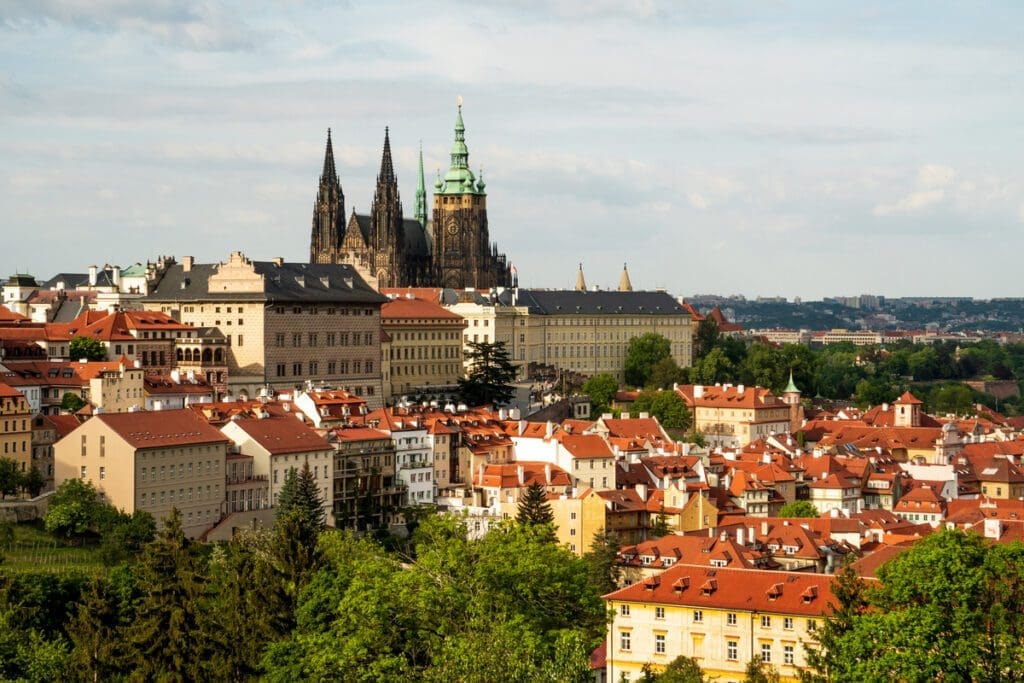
425,352
286,324
150,461
720,617
16,423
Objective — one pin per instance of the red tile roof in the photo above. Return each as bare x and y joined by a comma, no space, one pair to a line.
282,435
403,309
740,589
162,428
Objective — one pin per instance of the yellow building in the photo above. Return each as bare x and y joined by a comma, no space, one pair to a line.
16,421
491,318
286,324
722,618
734,415
577,519
425,349
151,461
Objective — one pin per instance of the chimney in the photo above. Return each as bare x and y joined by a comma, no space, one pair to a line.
549,428
186,264
993,529
885,407
740,389
547,473
641,490
522,427
723,536
643,415
116,276
520,473
625,415
764,529
741,536
176,376
698,391
92,276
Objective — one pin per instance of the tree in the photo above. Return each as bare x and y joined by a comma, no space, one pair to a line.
300,493
601,390
707,338
166,638
490,376
666,405
758,671
660,527
642,354
124,535
534,507
88,348
10,477
33,482
799,508
714,367
665,373
949,608
72,403
602,561
682,669
75,510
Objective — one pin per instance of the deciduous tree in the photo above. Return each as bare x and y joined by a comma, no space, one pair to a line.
89,348
642,354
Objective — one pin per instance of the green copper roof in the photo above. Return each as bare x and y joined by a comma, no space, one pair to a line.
421,195
459,179
791,387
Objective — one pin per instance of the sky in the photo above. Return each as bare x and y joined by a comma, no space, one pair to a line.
773,148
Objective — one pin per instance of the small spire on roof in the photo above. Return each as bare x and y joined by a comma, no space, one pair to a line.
581,284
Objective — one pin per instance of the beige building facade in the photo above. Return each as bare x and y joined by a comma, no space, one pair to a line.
16,420
424,355
151,461
287,325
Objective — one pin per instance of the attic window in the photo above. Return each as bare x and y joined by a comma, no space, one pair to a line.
709,587
681,584
775,591
810,594
652,582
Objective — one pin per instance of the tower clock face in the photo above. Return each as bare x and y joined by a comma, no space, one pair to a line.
453,229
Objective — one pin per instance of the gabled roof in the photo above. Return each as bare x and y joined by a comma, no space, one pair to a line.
582,446
563,302
283,435
161,428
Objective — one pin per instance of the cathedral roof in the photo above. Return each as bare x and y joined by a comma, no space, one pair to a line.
282,281
415,236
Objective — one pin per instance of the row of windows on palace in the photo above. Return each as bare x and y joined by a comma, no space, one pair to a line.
420,353
334,367
330,339
433,369
281,310
14,448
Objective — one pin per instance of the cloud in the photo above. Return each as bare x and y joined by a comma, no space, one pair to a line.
189,24
915,201
934,175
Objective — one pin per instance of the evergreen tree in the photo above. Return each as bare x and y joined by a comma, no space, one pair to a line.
97,646
166,639
602,563
660,527
490,376
707,338
534,507
300,493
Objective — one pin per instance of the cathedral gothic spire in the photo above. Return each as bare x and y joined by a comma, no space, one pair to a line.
387,236
328,212
421,195
581,284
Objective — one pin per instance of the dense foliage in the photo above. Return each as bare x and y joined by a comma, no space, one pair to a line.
601,389
512,606
799,508
89,348
642,354
666,405
951,608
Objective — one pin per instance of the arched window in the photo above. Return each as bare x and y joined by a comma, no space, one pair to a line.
181,355
207,355
218,355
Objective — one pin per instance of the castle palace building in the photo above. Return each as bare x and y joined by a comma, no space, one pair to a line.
453,249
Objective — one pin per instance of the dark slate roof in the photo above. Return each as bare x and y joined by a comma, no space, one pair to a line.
415,236
70,280
292,282
561,302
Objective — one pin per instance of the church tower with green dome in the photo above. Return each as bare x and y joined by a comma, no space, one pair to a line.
463,253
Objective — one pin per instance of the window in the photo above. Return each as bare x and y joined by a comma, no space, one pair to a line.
659,643
83,472
812,625
730,618
296,339
624,640
698,616
732,650
766,652
787,654
787,623
624,610
312,339
766,621
239,336
659,612
279,339
280,369
103,472
296,369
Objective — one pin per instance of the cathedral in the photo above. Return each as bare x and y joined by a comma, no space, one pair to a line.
450,249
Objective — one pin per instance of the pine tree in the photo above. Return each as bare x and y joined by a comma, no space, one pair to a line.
166,637
534,507
490,376
660,527
97,649
300,493
603,569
